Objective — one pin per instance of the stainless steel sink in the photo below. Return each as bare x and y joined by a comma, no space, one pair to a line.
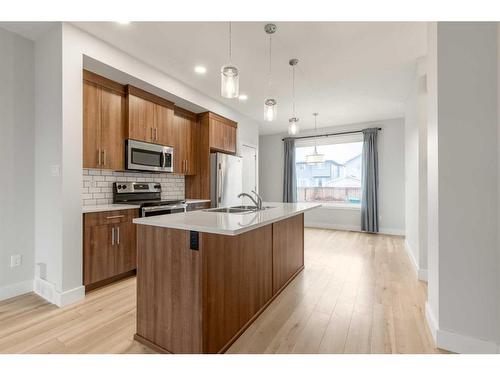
253,208
237,209
229,210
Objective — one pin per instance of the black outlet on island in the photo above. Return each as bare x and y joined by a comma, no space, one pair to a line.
194,238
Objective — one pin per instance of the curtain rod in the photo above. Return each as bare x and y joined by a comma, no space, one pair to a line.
327,135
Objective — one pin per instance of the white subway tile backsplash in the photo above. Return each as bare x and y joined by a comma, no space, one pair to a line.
98,185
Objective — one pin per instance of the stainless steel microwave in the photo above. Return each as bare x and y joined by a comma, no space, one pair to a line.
143,156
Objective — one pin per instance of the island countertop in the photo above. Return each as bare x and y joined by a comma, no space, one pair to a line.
231,224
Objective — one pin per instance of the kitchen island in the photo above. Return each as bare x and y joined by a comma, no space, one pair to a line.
203,277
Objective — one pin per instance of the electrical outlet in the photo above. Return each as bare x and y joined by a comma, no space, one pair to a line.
55,170
15,260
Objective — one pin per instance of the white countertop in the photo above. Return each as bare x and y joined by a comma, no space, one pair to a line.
108,207
195,201
116,207
227,223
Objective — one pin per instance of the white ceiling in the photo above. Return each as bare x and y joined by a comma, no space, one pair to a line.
348,71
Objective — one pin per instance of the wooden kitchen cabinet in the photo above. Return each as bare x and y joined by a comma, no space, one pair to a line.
149,118
185,144
103,123
214,134
126,256
91,125
109,246
222,134
200,297
165,127
288,250
141,114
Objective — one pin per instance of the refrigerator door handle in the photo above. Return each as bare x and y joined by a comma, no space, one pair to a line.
219,184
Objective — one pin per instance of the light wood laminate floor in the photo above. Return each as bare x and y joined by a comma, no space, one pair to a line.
357,294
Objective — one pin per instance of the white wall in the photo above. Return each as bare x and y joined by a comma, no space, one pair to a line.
17,159
59,64
391,165
416,171
463,305
52,220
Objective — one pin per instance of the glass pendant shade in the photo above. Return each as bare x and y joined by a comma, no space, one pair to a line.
270,109
293,127
229,82
315,157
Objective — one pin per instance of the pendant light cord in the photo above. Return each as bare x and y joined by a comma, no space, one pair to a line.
293,90
230,36
315,131
269,78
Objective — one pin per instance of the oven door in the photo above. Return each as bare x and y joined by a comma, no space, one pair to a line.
142,156
162,210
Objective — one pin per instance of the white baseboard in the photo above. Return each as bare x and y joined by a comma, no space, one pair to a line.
431,322
13,290
323,225
47,291
392,231
352,228
455,342
421,273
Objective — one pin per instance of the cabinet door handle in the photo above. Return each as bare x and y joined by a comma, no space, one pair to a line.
98,156
113,236
103,157
156,134
117,235
114,217
152,134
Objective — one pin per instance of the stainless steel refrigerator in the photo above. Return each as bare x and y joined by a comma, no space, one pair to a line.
226,179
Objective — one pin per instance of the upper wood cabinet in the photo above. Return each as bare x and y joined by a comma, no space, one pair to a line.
214,134
149,117
185,146
222,133
103,123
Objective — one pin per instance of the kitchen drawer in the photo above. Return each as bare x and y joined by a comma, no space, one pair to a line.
109,217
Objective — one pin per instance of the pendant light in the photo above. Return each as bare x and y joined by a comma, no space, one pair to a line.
270,104
315,157
293,127
229,76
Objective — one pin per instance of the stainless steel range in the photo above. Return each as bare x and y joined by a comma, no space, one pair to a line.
148,196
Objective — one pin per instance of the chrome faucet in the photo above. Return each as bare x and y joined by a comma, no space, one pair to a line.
259,200
251,198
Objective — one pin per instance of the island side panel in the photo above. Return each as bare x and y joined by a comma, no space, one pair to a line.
168,290
237,279
288,250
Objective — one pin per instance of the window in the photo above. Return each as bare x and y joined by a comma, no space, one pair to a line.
336,181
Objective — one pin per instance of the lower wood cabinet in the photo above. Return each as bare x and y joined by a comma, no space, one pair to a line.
109,245
199,296
288,257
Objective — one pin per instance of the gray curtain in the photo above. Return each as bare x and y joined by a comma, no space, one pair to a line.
289,179
369,181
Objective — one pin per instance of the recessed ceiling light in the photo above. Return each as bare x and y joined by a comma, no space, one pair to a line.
200,69
243,97
123,22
